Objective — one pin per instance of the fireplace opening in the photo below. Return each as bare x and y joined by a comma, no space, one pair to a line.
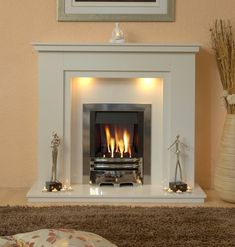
117,149
119,143
117,134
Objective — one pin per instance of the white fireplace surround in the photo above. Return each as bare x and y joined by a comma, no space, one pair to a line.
173,67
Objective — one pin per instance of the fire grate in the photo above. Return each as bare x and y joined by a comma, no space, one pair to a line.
116,171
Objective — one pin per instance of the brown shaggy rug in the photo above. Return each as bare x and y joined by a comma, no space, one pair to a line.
130,226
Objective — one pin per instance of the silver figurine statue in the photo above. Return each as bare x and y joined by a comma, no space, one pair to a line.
55,143
177,151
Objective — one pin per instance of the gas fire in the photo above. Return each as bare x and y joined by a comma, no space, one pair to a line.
119,143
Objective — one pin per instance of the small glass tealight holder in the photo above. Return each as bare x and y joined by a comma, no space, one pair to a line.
44,189
170,190
117,35
189,189
179,192
165,188
63,189
70,188
138,180
54,190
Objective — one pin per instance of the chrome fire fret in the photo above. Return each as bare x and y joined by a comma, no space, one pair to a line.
116,171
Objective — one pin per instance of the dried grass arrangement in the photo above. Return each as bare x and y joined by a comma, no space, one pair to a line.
223,45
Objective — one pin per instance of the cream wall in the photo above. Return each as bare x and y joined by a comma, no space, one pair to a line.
26,21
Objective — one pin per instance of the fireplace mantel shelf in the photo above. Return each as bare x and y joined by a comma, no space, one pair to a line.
108,47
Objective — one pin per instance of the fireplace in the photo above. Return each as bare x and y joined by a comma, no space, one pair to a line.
117,108
119,149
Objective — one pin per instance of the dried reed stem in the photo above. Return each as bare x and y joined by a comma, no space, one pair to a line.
224,47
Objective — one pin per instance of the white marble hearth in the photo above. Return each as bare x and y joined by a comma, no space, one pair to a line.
72,75
138,194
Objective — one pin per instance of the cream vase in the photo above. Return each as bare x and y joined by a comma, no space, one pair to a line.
225,167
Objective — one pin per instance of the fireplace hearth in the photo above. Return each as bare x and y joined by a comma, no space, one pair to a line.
117,108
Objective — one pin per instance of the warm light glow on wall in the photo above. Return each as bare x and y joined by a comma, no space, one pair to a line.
149,83
144,84
84,81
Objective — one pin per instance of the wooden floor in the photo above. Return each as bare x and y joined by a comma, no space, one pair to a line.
17,196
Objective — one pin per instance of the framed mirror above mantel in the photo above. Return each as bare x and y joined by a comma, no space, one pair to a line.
116,10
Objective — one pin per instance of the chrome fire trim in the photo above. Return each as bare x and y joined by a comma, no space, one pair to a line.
123,166
115,160
146,108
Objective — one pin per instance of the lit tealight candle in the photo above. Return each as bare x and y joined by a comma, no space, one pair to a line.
70,188
44,189
170,190
63,189
165,188
139,181
179,191
54,190
189,189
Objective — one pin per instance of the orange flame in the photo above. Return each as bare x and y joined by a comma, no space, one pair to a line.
108,137
120,143
116,138
126,138
112,144
121,147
